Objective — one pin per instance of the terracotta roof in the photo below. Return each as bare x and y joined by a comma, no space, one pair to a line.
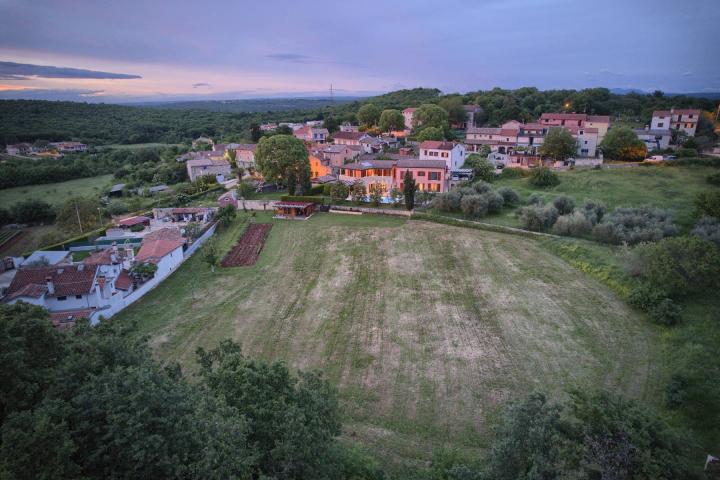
167,233
676,111
154,250
409,110
437,145
67,280
508,132
368,164
349,135
598,118
129,222
417,163
251,147
67,318
103,257
123,281
31,290
485,130
563,116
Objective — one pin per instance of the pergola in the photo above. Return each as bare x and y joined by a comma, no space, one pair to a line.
294,209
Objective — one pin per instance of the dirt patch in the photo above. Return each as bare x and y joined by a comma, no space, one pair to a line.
246,252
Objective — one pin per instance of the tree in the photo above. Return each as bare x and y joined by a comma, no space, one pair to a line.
255,132
376,194
430,133
397,196
32,211
369,114
357,192
226,215
621,143
231,156
284,158
481,167
211,256
78,215
543,177
391,120
457,115
430,115
559,144
409,189
292,419
339,192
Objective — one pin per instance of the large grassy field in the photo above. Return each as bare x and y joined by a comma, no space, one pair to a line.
56,193
660,186
426,329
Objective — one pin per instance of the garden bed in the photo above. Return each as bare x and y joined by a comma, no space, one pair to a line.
247,251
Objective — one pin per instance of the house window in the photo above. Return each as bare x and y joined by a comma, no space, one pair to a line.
79,297
433,175
61,299
421,174
660,124
444,154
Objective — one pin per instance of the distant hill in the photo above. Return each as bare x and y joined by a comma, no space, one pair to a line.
708,95
255,105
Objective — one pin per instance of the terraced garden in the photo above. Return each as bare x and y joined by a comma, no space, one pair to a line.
426,329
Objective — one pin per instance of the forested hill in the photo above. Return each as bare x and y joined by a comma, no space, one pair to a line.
96,124
254,105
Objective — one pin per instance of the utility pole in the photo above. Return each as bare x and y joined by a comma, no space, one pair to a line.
99,217
332,98
77,212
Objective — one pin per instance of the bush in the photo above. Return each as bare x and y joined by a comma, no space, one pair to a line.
32,211
686,152
137,228
447,202
708,228
509,173
575,224
544,177
654,302
676,391
665,312
117,207
339,191
481,187
594,211
302,198
681,265
708,203
564,204
510,196
317,190
494,200
536,199
635,225
474,205
713,179
538,218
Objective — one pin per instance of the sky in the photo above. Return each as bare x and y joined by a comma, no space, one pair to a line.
129,51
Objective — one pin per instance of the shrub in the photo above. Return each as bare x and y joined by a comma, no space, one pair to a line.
708,203
245,190
665,312
117,207
644,296
594,211
137,228
474,205
481,187
564,204
544,177
708,228
510,196
536,199
713,179
447,202
654,302
687,152
339,191
676,391
575,224
635,225
514,173
317,190
494,200
538,218
681,265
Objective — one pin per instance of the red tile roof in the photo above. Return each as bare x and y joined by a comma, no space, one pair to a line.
67,280
103,257
676,111
167,233
349,135
437,145
563,116
67,318
598,118
154,250
416,163
409,110
124,281
129,222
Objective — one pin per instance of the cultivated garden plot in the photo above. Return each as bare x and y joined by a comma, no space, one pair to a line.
426,329
246,252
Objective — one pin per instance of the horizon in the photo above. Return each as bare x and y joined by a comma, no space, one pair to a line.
138,52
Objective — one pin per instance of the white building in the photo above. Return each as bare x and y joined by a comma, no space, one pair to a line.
676,119
654,139
452,153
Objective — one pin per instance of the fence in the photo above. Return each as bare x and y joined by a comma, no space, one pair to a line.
374,211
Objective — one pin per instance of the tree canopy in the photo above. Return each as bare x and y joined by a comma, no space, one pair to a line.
430,115
284,158
621,143
559,144
369,115
391,120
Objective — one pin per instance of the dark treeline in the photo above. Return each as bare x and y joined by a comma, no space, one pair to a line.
256,105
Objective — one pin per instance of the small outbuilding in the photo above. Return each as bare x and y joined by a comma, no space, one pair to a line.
294,210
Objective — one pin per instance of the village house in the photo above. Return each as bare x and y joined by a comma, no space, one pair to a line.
654,139
349,138
219,168
319,166
371,145
48,258
452,153
165,254
307,133
347,127
245,155
599,122
369,172
429,175
202,140
339,155
269,127
68,147
472,111
408,114
685,120
19,149
184,214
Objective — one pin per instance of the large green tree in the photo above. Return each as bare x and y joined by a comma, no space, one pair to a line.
391,120
481,166
620,143
559,144
430,115
456,110
369,115
284,159
430,133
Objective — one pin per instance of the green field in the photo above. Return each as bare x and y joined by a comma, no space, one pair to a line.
661,186
56,193
426,329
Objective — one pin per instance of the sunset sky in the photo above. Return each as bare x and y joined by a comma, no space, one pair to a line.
239,49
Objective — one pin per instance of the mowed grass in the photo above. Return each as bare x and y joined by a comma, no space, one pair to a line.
661,186
426,329
56,193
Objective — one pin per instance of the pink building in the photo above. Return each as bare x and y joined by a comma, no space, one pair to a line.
408,114
429,175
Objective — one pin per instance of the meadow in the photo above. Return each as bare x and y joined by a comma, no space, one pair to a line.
426,329
56,193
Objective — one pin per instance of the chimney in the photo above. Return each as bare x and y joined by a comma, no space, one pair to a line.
50,285
81,267
114,247
647,127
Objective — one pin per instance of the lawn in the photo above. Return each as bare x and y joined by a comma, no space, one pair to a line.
426,329
661,186
56,193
